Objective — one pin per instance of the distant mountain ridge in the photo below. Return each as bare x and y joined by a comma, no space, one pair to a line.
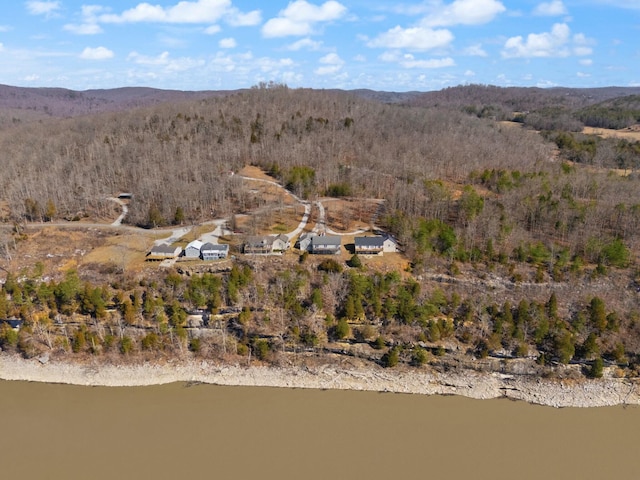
30,103
61,102
521,98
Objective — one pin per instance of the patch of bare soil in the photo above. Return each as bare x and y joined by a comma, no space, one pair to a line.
255,172
344,215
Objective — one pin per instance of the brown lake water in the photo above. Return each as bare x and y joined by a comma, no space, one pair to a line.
178,431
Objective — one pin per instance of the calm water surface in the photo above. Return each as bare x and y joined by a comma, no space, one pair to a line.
178,431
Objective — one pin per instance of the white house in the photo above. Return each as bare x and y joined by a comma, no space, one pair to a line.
281,243
389,245
193,249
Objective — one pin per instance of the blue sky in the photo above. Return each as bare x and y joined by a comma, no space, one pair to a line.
228,44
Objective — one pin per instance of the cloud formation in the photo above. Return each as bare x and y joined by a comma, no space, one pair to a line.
188,12
417,38
332,64
42,7
462,12
550,9
227,43
98,53
556,43
300,17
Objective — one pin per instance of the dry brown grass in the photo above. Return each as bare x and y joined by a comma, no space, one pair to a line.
255,172
631,133
127,251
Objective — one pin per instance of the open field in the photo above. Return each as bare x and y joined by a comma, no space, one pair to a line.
631,133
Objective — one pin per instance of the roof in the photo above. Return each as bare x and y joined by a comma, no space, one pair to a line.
197,244
212,247
371,241
332,240
12,322
164,249
259,241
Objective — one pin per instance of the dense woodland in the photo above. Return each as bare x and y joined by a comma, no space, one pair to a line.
535,239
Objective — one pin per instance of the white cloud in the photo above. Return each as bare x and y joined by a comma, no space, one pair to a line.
550,9
582,45
462,12
469,73
227,43
632,4
236,18
547,44
327,70
98,53
417,38
332,64
32,78
42,8
409,61
332,59
170,65
587,62
1,47
212,30
360,58
475,51
300,17
5,28
198,11
583,75
306,44
83,28
161,59
582,51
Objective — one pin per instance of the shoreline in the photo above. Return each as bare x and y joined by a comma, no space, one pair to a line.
533,390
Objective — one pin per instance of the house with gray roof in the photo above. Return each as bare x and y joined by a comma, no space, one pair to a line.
325,245
281,243
211,251
375,245
261,245
164,251
371,245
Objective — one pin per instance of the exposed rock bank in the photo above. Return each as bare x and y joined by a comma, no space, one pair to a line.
555,393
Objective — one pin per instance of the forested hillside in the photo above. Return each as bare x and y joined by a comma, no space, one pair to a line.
533,234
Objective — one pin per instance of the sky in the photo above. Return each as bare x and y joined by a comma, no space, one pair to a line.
347,44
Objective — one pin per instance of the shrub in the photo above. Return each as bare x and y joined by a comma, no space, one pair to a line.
329,265
419,357
342,329
126,345
391,358
355,261
597,368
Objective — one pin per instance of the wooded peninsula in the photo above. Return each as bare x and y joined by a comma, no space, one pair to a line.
514,215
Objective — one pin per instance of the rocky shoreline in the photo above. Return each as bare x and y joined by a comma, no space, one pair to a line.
549,392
